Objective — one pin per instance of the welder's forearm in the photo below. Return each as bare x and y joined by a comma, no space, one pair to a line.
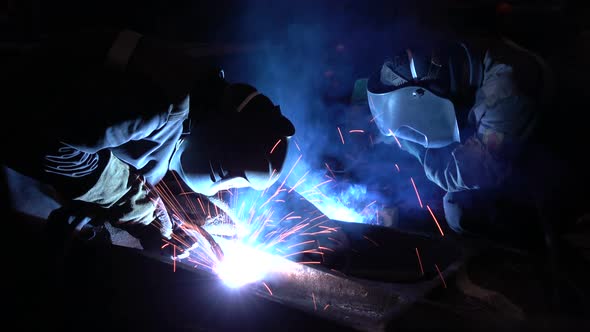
455,173
462,167
441,168
72,172
103,138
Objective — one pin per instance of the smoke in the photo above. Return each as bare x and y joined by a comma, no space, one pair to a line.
306,59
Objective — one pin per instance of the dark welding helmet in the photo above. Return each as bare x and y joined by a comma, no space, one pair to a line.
243,144
412,95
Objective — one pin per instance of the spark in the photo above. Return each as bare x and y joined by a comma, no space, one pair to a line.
356,131
301,180
267,288
397,167
297,145
201,203
316,233
314,303
287,215
420,262
308,251
373,202
375,117
441,276
341,137
275,146
300,243
290,171
372,241
333,229
326,306
394,137
435,220
416,190
330,170
264,244
323,183
271,178
333,239
199,264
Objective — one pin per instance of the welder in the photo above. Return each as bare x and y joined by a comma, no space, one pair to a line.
103,116
469,112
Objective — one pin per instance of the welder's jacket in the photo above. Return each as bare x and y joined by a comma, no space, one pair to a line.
500,125
77,103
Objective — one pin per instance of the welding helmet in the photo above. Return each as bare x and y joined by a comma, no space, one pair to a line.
412,95
242,144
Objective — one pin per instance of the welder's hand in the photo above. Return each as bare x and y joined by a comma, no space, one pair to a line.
412,148
139,205
222,225
77,222
126,198
163,220
191,237
153,230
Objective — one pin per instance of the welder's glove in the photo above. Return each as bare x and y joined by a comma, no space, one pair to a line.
75,223
414,149
127,198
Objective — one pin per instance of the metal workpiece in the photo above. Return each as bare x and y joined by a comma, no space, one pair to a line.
360,304
368,293
356,303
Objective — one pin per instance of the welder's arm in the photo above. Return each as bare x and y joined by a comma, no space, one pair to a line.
104,188
504,116
455,167
458,167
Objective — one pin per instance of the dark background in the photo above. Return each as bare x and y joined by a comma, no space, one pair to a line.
340,41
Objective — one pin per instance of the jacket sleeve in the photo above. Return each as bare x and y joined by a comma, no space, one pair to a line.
464,166
504,116
114,88
102,105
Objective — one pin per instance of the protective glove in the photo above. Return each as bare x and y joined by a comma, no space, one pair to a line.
76,222
127,199
414,149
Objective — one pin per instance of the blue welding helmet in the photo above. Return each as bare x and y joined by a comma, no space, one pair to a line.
244,144
411,95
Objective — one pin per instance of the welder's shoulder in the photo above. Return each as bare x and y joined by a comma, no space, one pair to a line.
517,69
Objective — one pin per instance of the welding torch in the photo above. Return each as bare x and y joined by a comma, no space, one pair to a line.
183,238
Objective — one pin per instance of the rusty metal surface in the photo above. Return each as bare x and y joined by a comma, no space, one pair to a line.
360,304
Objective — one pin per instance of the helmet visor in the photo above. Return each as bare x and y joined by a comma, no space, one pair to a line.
415,114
